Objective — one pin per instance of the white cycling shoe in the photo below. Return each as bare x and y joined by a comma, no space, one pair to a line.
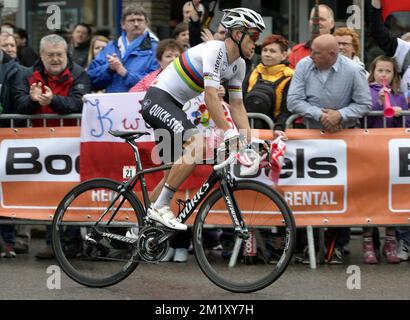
165,216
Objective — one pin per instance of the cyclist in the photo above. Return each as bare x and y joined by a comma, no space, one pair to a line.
202,68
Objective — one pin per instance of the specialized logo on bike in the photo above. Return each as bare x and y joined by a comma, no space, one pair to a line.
194,202
399,175
163,115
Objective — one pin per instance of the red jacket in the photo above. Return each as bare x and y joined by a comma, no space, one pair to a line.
298,52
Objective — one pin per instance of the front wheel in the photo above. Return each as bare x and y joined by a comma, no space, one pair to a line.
227,258
91,251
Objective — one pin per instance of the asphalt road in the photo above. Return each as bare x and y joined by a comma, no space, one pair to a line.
26,278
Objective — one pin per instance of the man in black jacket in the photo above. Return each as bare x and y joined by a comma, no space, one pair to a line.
25,54
80,44
53,85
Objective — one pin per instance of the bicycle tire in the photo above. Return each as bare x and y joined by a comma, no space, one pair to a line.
243,275
71,212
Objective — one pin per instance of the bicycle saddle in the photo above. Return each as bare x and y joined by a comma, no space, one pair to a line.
128,134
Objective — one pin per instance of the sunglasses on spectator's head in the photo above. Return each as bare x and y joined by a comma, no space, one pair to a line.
254,35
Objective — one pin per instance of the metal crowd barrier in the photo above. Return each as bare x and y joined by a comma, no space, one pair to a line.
405,114
309,229
261,116
45,117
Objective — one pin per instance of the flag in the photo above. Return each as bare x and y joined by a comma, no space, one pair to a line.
103,155
391,6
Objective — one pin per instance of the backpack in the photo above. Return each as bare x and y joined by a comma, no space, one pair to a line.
261,99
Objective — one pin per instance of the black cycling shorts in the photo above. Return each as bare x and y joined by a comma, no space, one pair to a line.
171,124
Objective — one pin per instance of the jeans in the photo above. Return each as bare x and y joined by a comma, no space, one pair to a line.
403,233
8,233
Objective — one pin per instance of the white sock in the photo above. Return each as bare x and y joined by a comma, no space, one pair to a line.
165,197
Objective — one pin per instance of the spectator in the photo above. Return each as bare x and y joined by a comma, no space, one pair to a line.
349,44
331,92
8,72
26,55
193,13
167,51
124,62
326,24
8,44
384,76
7,27
80,44
400,50
98,43
269,83
181,34
56,85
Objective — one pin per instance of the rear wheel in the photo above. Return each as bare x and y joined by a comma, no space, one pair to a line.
90,254
244,265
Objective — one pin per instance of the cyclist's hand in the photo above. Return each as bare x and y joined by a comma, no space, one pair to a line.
232,140
281,134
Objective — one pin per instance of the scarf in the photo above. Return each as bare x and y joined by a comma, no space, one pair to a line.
271,73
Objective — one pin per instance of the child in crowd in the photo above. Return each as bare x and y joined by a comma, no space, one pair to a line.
384,77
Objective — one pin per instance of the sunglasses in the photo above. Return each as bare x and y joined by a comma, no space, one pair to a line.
254,35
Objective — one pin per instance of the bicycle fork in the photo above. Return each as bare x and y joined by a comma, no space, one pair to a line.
241,231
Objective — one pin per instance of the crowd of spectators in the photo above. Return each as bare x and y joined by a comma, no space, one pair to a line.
322,80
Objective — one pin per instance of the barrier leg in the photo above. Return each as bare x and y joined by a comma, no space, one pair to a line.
311,244
322,246
235,252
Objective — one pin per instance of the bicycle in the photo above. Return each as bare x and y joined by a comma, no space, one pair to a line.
243,233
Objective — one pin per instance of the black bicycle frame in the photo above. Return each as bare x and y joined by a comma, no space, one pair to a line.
191,204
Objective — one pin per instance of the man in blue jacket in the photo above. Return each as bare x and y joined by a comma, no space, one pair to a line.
124,62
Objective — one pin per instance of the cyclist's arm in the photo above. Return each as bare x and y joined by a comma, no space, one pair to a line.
240,117
215,109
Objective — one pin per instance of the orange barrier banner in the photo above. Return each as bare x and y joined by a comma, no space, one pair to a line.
353,177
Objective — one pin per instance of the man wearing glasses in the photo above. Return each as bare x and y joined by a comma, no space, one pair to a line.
200,69
124,62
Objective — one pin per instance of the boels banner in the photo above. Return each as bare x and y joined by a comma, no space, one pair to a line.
353,177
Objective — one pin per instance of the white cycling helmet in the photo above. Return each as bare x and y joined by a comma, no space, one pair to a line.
242,17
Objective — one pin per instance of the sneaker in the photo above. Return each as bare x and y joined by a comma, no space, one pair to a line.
390,251
9,253
337,257
369,255
132,233
166,217
403,251
181,255
169,256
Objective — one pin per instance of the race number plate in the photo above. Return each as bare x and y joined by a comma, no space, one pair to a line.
129,171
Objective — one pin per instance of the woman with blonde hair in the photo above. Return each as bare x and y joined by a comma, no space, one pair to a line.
97,44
